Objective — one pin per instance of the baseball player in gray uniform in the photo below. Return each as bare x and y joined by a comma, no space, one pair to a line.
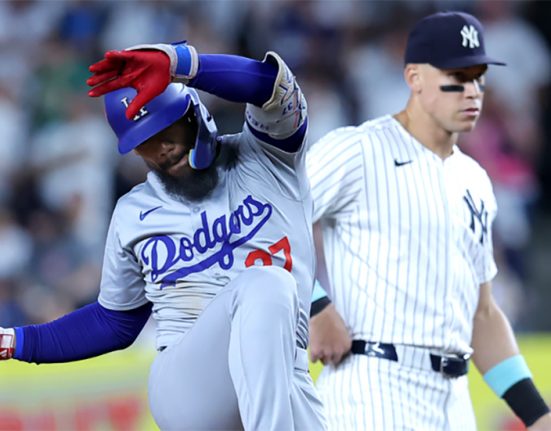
406,221
216,244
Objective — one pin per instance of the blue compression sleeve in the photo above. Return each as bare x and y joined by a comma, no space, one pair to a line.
90,331
235,78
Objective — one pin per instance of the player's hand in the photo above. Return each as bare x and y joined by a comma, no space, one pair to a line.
146,68
542,424
7,343
330,341
148,72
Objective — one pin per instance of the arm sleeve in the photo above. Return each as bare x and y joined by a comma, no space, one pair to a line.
276,109
234,78
90,331
122,284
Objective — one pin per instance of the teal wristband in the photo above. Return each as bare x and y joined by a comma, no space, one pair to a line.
318,291
505,374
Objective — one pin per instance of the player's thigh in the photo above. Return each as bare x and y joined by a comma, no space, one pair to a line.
190,387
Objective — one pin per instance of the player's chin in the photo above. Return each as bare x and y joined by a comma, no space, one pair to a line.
465,125
181,168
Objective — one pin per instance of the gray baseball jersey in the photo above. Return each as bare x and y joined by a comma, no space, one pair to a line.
407,240
230,279
178,255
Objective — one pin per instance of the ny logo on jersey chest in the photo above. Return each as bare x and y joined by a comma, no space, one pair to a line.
478,214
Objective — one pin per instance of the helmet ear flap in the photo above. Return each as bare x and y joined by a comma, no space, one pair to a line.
203,152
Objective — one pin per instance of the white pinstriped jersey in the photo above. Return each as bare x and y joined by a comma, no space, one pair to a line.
407,235
179,255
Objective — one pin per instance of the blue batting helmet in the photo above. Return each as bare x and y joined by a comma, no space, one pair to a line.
159,113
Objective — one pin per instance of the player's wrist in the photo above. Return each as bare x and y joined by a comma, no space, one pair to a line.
511,380
7,343
184,60
526,401
320,300
319,305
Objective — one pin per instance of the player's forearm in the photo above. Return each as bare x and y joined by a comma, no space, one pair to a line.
276,109
497,357
235,78
493,339
90,331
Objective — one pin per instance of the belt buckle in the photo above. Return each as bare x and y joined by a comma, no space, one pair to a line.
443,363
373,349
446,360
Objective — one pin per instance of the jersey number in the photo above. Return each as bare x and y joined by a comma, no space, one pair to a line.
266,258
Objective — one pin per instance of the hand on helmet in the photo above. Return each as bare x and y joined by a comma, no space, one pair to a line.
146,68
148,72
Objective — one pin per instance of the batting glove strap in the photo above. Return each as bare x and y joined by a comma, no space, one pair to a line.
184,61
7,343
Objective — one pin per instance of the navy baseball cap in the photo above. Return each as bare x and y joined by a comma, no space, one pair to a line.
448,40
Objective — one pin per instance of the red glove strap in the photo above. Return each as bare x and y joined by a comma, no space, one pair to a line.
7,343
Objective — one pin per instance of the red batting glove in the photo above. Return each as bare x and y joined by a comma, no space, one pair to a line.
7,343
148,72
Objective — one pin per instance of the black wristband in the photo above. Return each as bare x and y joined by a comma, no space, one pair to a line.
318,305
525,400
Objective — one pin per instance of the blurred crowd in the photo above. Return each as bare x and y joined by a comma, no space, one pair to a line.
60,174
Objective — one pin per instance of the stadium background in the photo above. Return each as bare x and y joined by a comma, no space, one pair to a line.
60,174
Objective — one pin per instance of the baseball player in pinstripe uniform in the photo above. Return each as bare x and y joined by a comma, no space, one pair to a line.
406,221
216,244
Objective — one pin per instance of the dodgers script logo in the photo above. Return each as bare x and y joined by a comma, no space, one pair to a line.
163,252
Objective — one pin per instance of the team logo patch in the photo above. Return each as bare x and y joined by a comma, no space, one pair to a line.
479,216
215,239
470,37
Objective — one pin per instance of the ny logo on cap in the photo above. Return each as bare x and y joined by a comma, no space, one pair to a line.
470,36
140,114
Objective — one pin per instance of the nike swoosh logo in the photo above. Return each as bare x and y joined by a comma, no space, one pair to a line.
144,214
397,163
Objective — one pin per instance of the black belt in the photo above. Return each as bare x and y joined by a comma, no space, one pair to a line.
450,366
378,350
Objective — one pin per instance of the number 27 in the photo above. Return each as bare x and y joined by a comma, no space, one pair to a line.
266,258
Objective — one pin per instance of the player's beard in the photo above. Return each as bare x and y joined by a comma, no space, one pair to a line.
194,186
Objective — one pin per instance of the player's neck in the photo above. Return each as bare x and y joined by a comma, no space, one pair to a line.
423,128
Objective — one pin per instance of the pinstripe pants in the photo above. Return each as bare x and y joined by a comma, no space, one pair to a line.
368,393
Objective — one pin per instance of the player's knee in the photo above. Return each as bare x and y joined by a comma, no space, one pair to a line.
268,285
